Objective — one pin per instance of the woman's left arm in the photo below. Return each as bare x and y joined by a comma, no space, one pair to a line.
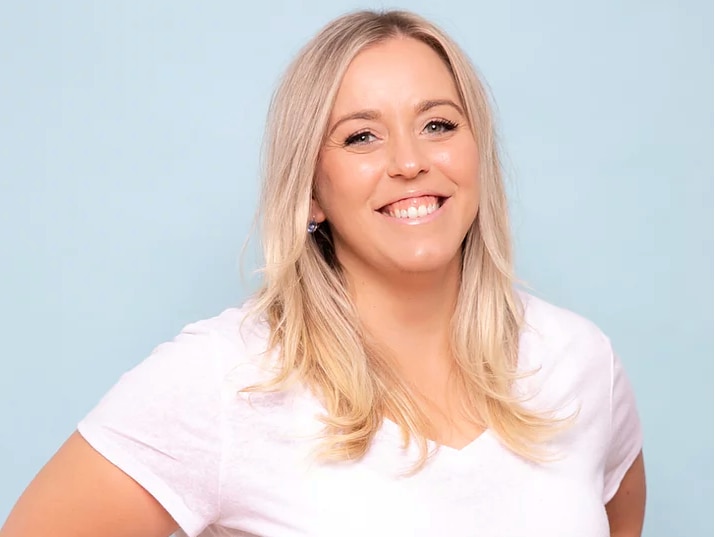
626,509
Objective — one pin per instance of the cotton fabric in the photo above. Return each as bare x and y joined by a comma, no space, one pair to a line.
227,464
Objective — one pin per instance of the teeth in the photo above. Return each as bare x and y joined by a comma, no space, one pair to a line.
415,212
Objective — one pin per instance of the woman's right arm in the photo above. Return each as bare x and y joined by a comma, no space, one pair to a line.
79,493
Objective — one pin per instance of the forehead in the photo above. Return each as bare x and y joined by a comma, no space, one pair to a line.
399,71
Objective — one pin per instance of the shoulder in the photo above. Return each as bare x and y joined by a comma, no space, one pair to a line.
189,377
207,351
568,353
557,326
552,328
163,422
237,325
239,330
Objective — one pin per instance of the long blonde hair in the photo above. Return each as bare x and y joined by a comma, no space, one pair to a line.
314,327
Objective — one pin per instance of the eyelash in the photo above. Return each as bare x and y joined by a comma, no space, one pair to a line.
355,138
445,124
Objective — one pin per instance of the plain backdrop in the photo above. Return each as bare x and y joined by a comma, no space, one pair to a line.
129,147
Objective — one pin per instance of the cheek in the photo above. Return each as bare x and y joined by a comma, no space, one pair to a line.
459,162
347,179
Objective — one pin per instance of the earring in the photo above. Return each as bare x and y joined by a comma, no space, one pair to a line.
312,226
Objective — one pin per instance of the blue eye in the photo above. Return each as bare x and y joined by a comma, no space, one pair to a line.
359,138
439,126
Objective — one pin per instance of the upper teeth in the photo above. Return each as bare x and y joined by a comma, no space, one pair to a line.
414,212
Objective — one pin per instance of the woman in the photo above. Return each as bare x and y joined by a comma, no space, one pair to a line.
387,379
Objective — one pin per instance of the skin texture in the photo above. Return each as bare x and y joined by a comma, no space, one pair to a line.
79,493
626,509
404,279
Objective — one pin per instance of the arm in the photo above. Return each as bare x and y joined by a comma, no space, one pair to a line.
79,493
626,509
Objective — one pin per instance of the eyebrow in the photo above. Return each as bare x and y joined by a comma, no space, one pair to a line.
424,106
420,108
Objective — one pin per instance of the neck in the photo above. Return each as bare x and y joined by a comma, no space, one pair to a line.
409,314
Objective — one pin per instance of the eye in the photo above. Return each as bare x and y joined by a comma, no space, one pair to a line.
359,138
437,126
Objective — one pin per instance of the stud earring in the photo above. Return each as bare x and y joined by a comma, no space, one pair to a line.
312,226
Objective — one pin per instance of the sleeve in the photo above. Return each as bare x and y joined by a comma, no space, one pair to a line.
625,441
161,425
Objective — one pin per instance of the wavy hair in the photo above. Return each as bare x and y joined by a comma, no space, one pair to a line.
314,327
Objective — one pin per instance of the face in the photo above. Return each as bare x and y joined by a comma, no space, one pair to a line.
397,179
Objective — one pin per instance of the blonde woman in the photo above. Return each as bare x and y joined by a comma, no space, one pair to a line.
387,379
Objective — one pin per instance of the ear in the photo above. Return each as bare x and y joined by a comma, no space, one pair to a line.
317,214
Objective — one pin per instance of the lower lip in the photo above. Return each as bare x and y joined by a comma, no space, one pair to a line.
419,220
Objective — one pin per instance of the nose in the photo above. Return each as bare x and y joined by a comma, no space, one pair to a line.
407,158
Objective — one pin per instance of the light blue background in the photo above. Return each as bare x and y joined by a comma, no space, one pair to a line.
129,140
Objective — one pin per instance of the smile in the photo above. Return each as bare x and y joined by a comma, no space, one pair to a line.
413,208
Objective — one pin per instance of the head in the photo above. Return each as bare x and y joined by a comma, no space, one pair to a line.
397,176
420,126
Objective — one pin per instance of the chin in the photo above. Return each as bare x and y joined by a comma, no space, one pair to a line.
426,262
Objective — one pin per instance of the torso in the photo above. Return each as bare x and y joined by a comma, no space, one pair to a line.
246,466
273,489
473,485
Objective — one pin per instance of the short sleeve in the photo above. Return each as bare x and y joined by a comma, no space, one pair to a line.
625,440
161,425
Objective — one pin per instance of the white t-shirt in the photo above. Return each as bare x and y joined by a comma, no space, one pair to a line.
224,464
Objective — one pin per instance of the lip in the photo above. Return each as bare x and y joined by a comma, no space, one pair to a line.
421,219
414,194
